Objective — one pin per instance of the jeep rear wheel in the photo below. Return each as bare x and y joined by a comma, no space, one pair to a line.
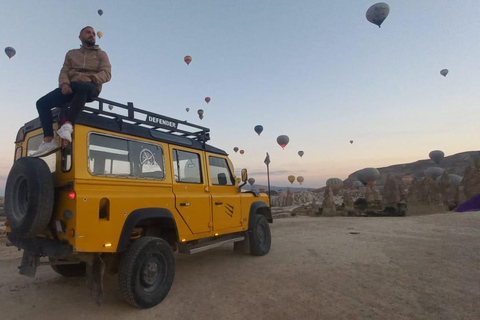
70,270
29,196
146,272
260,237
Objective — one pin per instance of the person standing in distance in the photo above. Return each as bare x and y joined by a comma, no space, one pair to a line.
81,77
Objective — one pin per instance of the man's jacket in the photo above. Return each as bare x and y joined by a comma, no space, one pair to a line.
90,61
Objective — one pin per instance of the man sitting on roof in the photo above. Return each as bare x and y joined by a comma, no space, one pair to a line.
81,78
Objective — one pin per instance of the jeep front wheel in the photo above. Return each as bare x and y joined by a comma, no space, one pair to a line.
260,237
146,272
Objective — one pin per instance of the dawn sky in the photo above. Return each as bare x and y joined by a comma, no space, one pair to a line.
316,71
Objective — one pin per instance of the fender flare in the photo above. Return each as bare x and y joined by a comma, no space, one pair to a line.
263,208
138,215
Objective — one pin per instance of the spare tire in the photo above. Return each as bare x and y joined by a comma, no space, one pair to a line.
29,197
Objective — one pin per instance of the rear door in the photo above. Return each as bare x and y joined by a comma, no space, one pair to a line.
192,199
227,214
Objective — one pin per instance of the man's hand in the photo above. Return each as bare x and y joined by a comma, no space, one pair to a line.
66,89
83,78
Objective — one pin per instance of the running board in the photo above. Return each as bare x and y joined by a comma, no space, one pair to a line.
184,248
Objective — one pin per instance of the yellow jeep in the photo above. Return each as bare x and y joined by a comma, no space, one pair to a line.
131,189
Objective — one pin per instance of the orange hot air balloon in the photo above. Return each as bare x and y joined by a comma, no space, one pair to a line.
242,152
300,179
291,179
283,141
187,60
99,34
207,99
407,179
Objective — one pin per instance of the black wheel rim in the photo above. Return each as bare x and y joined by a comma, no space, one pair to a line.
261,234
20,203
153,273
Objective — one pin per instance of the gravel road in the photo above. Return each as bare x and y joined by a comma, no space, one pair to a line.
418,267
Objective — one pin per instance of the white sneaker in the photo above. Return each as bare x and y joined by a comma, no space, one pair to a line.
65,132
46,148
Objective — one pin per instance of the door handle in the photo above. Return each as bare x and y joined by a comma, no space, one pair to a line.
218,203
184,204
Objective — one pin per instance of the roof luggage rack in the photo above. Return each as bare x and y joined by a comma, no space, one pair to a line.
151,120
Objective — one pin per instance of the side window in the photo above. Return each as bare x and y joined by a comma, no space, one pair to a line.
219,172
121,157
32,146
186,167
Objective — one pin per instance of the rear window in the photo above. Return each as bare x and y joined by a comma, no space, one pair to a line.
113,156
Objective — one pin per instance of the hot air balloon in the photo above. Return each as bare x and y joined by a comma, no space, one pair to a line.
242,152
436,156
235,149
110,107
407,179
251,181
99,34
207,99
357,184
187,59
335,184
187,109
10,52
351,141
300,179
291,179
368,176
258,129
433,172
377,13
444,72
300,153
453,179
100,12
200,113
283,141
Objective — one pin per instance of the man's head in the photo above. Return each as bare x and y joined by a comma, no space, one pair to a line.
87,36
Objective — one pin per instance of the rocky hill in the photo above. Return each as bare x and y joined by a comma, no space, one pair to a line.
454,164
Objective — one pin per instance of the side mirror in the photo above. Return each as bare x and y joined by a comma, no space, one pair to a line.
244,179
244,175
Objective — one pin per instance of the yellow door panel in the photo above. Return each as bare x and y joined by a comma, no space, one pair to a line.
192,199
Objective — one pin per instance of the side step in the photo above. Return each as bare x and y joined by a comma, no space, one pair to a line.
191,249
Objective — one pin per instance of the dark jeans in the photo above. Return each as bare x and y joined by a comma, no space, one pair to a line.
82,92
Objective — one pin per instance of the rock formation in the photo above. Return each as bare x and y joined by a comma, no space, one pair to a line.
424,196
328,205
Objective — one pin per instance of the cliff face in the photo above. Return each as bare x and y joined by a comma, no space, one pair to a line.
454,164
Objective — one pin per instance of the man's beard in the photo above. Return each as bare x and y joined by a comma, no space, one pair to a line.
90,43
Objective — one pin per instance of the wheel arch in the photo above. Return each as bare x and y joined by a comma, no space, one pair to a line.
259,207
160,217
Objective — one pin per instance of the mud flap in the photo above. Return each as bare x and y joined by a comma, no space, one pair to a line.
242,246
95,273
30,262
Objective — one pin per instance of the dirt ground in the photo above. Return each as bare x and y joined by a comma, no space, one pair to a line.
418,267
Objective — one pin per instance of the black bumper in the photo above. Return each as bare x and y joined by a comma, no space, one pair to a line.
41,246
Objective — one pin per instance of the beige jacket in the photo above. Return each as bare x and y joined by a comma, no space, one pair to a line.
90,61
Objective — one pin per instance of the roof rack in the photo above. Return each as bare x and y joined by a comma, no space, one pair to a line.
151,120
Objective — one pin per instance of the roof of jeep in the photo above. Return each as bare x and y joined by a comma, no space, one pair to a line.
132,121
